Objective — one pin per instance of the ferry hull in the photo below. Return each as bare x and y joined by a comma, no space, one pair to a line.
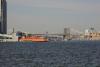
33,39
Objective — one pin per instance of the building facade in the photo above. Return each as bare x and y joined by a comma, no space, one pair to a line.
66,33
3,17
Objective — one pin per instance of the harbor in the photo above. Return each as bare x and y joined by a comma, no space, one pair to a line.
66,36
67,33
49,33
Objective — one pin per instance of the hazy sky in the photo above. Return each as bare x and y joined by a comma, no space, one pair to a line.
38,16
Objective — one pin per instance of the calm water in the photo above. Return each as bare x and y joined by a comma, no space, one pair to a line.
50,54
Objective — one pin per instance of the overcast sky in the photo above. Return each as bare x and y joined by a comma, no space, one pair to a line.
38,16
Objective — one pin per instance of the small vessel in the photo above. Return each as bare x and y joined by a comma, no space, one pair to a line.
33,39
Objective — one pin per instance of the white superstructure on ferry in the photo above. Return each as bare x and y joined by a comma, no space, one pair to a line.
8,37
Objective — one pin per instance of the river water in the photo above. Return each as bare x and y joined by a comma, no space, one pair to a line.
50,54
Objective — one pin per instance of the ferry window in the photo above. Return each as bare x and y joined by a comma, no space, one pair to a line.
1,37
10,38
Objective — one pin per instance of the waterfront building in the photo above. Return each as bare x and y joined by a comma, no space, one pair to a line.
92,35
66,33
3,17
87,32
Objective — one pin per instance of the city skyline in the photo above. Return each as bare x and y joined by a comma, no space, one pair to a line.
38,16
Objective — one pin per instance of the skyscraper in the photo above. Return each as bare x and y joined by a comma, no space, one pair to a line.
0,16
3,17
0,22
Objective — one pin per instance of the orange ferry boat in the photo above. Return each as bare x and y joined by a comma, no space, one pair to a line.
33,39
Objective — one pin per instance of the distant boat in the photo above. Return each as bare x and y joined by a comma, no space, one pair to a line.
67,39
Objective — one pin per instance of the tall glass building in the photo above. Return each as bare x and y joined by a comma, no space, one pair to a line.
3,17
0,17
0,24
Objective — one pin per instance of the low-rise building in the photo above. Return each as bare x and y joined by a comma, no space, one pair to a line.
92,36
